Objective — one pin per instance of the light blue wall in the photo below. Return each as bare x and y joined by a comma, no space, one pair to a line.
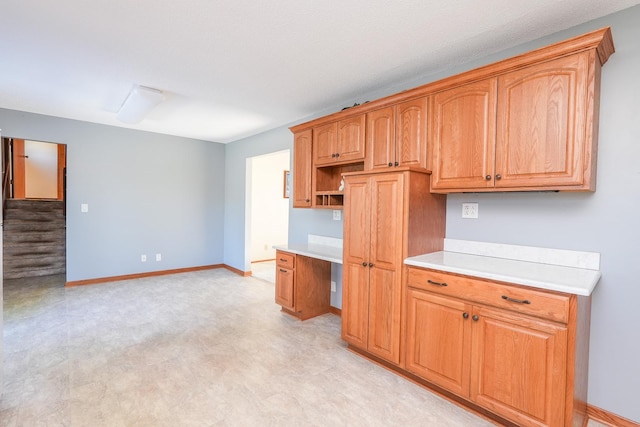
147,193
603,222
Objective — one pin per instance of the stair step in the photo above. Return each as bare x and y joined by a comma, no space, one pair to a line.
34,239
34,272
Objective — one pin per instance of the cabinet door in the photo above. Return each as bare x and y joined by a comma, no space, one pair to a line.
325,140
462,136
284,288
542,124
355,277
381,139
518,367
385,262
302,169
411,133
438,342
351,143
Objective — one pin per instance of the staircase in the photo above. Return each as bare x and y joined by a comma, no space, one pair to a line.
34,240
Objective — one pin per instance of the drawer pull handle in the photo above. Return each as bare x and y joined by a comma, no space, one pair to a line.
436,283
283,260
519,301
283,271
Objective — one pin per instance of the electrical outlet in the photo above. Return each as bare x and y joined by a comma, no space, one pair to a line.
333,286
158,257
143,258
469,210
337,215
84,207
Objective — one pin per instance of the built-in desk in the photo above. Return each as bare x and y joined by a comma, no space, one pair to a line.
303,276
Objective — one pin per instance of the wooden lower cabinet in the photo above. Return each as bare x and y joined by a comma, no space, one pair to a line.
303,285
523,368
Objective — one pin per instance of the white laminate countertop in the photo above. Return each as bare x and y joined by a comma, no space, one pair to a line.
324,252
561,278
320,247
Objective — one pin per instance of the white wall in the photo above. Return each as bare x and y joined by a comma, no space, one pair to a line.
269,209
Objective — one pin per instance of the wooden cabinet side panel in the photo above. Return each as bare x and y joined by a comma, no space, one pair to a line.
380,137
518,368
302,169
425,217
462,136
312,290
411,133
438,340
542,121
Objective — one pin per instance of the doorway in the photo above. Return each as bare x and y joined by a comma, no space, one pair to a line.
34,238
268,211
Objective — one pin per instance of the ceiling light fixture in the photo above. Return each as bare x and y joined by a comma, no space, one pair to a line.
140,101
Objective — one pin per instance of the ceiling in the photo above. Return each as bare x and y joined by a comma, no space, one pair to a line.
234,68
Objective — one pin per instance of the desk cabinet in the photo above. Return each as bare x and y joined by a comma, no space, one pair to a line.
302,285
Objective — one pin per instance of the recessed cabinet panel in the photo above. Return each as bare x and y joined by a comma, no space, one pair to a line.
439,340
462,136
325,140
542,124
411,133
302,169
381,139
355,304
284,287
519,367
351,142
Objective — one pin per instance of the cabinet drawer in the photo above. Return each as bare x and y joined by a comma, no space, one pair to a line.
537,303
285,259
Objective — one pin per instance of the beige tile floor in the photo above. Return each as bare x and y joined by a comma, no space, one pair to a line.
207,348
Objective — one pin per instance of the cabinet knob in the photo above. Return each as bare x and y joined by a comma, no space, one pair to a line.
364,264
397,164
333,154
370,264
308,200
475,317
390,164
498,176
465,315
337,154
488,177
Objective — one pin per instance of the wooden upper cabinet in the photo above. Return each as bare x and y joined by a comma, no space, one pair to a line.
543,118
302,168
397,135
529,129
380,139
411,133
340,142
462,136
325,142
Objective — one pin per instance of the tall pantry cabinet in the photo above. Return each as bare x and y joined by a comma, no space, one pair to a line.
379,234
